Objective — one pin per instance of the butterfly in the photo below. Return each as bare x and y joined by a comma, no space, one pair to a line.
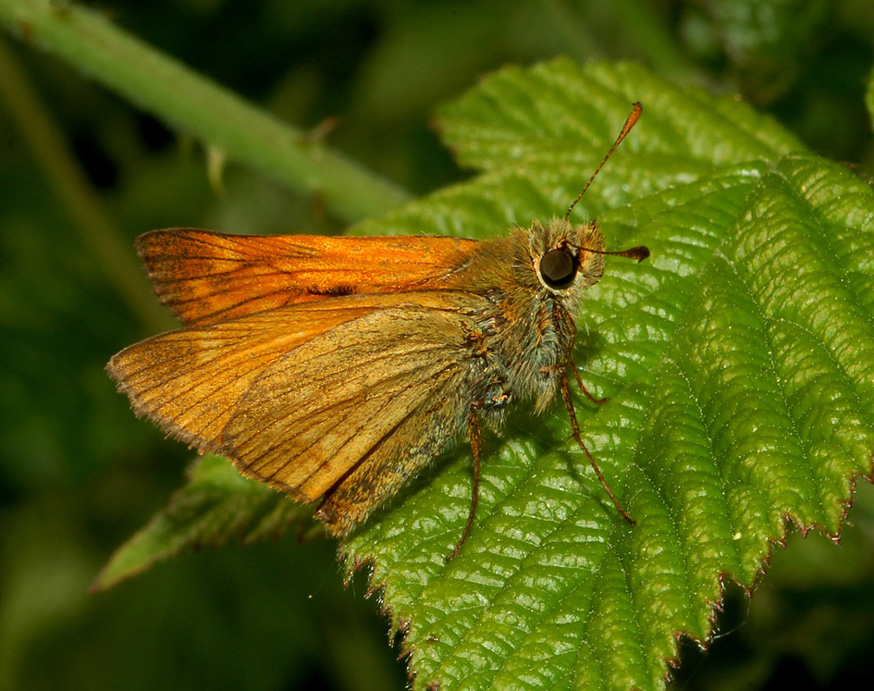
338,368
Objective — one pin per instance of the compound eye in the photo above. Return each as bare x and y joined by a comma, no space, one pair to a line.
558,268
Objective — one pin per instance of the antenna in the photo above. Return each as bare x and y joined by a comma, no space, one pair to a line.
633,117
639,253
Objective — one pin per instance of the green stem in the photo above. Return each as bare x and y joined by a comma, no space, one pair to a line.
189,102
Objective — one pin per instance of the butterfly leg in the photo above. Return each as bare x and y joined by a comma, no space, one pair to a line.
475,445
575,430
571,326
593,399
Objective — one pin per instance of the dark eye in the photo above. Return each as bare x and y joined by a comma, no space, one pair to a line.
558,268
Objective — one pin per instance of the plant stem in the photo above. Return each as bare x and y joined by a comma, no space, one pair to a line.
193,104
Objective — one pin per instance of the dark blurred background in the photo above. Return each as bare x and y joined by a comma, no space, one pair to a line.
79,473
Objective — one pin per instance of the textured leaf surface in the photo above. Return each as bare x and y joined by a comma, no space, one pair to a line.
739,359
216,506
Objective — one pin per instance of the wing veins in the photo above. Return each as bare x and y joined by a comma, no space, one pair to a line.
354,393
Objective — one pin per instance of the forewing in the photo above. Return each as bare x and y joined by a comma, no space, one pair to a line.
190,381
207,277
314,416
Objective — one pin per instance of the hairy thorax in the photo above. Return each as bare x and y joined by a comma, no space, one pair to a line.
517,355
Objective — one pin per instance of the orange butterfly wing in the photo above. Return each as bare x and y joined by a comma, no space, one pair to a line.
188,381
207,277
319,399
330,405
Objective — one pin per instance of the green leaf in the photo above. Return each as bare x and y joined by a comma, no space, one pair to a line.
739,359
216,506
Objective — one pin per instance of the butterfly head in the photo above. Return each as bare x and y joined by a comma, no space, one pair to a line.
566,258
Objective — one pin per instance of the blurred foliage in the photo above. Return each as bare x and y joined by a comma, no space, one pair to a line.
79,473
